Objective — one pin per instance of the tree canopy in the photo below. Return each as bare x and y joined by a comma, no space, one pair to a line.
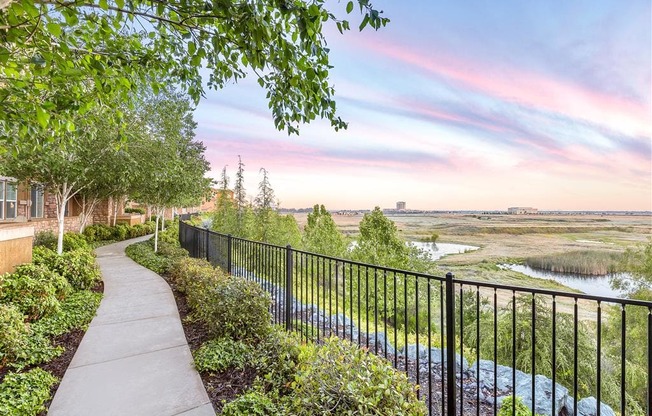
59,59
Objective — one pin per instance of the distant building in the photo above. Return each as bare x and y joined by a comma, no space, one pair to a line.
522,210
400,205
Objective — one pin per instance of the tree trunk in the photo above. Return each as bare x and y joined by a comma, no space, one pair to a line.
62,197
87,212
156,235
115,211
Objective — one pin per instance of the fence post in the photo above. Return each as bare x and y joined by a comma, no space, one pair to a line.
450,345
288,287
207,244
229,256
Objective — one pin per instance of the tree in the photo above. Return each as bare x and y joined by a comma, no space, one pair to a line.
264,207
239,192
171,164
321,235
60,59
379,242
67,166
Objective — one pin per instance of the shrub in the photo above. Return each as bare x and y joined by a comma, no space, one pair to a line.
149,227
171,234
24,394
236,308
172,251
74,241
252,403
120,232
98,232
34,290
137,230
195,277
276,358
219,354
340,378
13,333
77,267
45,239
507,406
143,254
76,311
140,211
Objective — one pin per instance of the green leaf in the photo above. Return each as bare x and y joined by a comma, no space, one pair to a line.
349,7
42,117
54,29
104,5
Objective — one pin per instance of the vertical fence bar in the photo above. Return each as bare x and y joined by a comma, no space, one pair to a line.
416,308
649,361
208,240
554,352
441,343
450,344
623,352
513,348
477,350
288,287
429,352
496,350
229,254
534,350
599,358
461,349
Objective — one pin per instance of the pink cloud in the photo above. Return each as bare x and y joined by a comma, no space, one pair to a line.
527,88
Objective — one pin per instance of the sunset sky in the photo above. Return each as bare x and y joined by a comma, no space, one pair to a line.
463,105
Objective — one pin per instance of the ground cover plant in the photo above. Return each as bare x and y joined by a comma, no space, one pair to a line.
272,367
45,307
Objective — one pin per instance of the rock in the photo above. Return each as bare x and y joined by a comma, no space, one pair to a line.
341,320
543,391
460,365
412,352
504,376
589,407
382,338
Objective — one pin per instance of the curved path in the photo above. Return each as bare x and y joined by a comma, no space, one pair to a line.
134,358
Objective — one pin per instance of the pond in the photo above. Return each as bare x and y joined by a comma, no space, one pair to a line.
591,285
439,250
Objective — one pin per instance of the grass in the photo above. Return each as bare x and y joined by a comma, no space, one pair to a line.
589,262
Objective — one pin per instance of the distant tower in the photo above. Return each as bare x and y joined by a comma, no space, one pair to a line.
400,206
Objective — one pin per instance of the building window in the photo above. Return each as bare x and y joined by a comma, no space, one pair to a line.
8,200
36,196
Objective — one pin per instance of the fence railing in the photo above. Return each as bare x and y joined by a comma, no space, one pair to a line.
547,347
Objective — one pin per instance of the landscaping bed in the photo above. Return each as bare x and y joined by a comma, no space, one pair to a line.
251,367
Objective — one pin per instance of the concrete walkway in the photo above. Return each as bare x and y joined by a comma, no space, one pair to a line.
134,359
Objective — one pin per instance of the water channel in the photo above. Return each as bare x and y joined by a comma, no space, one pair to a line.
591,285
439,250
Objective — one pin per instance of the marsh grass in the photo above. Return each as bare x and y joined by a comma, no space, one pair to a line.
589,262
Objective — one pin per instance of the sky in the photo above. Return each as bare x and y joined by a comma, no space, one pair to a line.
463,105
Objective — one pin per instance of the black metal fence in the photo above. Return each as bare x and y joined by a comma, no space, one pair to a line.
547,347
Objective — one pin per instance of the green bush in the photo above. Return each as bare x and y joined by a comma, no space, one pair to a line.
507,406
120,232
339,378
195,277
220,354
143,254
24,394
77,267
236,308
34,290
252,403
276,359
140,211
171,233
98,232
76,311
172,251
74,241
14,334
45,239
